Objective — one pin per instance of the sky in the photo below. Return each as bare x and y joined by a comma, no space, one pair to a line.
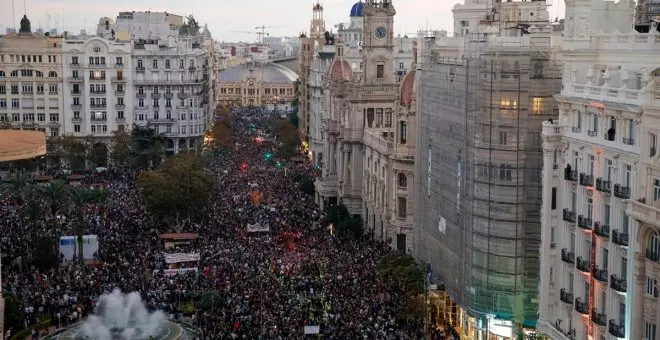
228,19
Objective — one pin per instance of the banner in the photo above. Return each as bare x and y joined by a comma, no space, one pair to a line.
172,272
312,329
69,247
257,228
181,257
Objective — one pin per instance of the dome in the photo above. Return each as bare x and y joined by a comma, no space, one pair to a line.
341,70
270,73
407,88
357,10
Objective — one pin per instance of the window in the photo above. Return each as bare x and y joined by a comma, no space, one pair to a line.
653,141
656,189
401,66
402,206
120,114
140,102
380,71
388,117
403,132
554,198
54,132
379,117
14,103
403,180
154,63
76,128
41,117
53,117
155,102
606,214
505,172
537,105
167,63
120,61
649,330
503,137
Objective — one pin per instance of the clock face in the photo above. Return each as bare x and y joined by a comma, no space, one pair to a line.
380,32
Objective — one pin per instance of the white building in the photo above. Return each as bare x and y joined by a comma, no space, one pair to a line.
96,87
601,182
31,81
318,71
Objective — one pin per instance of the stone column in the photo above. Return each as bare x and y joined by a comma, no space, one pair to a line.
546,231
344,175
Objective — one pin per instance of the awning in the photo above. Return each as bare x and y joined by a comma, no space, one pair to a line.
16,145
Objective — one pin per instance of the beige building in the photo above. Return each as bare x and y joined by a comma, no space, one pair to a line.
30,81
269,85
368,153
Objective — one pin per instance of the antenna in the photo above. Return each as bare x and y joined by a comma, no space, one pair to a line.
13,13
24,7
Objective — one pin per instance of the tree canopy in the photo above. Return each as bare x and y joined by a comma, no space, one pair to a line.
288,135
121,148
177,191
147,147
346,226
404,277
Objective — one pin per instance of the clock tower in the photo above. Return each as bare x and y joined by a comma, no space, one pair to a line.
378,42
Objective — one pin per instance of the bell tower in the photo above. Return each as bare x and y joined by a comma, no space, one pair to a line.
378,42
317,28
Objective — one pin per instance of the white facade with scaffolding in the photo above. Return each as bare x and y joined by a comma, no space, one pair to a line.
483,95
600,261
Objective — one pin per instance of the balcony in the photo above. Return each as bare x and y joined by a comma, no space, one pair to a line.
76,120
182,95
119,65
602,230
618,284
629,141
581,307
567,256
74,65
603,185
639,210
119,93
139,69
120,120
192,68
583,265
141,95
576,129
75,79
621,191
653,255
592,133
96,65
155,95
118,79
120,106
98,106
618,331
97,93
565,296
76,93
568,216
599,319
76,106
161,121
570,175
584,222
168,95
99,119
586,180
619,238
600,274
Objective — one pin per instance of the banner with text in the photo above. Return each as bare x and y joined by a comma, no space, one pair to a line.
172,272
258,228
181,257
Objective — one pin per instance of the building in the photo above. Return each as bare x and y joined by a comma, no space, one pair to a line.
368,155
483,95
257,84
315,86
31,81
647,11
599,256
308,49
97,91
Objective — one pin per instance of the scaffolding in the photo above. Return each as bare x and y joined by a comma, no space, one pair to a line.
480,158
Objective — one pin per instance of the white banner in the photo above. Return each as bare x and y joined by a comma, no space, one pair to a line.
257,228
312,329
69,247
172,272
181,257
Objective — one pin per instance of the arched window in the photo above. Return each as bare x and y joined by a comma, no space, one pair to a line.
653,248
14,73
403,180
38,74
52,74
2,74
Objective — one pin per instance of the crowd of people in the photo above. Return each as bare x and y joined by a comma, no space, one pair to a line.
271,283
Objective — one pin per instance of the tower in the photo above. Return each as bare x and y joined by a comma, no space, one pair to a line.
317,28
378,42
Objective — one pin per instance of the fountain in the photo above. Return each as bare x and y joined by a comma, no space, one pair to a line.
121,316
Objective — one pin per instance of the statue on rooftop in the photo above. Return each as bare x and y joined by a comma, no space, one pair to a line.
25,25
329,38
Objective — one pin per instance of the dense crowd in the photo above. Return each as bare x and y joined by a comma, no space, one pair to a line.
272,284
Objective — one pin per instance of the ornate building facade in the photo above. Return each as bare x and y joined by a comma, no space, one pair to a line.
368,155
31,81
257,84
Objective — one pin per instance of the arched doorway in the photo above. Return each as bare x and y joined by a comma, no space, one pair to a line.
100,155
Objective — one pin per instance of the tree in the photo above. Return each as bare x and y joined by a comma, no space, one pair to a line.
80,198
121,148
147,147
13,311
19,184
53,153
177,191
220,134
74,152
347,227
288,136
46,254
55,192
211,300
404,278
307,186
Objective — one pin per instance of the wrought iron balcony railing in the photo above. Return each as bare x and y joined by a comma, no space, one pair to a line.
621,191
584,222
603,185
599,318
583,265
619,238
581,307
567,256
653,255
600,274
570,175
586,180
617,330
618,284
602,230
568,216
565,296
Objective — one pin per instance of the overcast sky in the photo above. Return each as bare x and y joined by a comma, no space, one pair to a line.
224,16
